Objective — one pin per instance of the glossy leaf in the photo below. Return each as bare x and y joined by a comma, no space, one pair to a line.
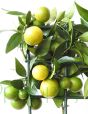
82,12
84,37
83,22
15,13
58,102
43,48
13,42
17,84
86,89
20,68
80,28
67,59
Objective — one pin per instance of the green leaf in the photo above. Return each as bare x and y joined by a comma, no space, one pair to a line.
60,16
67,59
53,14
20,68
71,12
58,102
56,64
63,33
28,18
80,28
82,12
53,72
60,50
17,84
86,89
13,42
84,37
29,101
21,21
85,58
82,47
6,82
15,13
32,61
83,22
43,48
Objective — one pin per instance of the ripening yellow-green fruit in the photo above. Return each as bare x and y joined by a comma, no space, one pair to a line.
33,35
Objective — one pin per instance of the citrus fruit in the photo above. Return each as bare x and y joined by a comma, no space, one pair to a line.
65,83
40,72
76,84
49,88
23,94
42,14
36,103
11,92
33,35
18,104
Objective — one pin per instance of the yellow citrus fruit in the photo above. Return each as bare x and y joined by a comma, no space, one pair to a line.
36,103
40,72
49,88
42,14
11,92
33,35
76,84
65,83
18,104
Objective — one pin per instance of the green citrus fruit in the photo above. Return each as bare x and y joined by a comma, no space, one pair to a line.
40,72
33,35
49,88
65,83
18,104
36,103
23,94
42,14
11,92
76,84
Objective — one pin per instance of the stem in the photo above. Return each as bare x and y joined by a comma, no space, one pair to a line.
28,74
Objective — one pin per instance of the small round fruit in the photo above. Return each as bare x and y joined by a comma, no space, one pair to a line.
49,88
18,104
23,94
11,92
40,72
33,35
36,103
42,14
76,84
65,83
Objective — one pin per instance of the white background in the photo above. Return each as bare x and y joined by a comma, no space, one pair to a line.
7,71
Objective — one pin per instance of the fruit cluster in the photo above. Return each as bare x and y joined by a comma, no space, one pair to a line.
55,49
